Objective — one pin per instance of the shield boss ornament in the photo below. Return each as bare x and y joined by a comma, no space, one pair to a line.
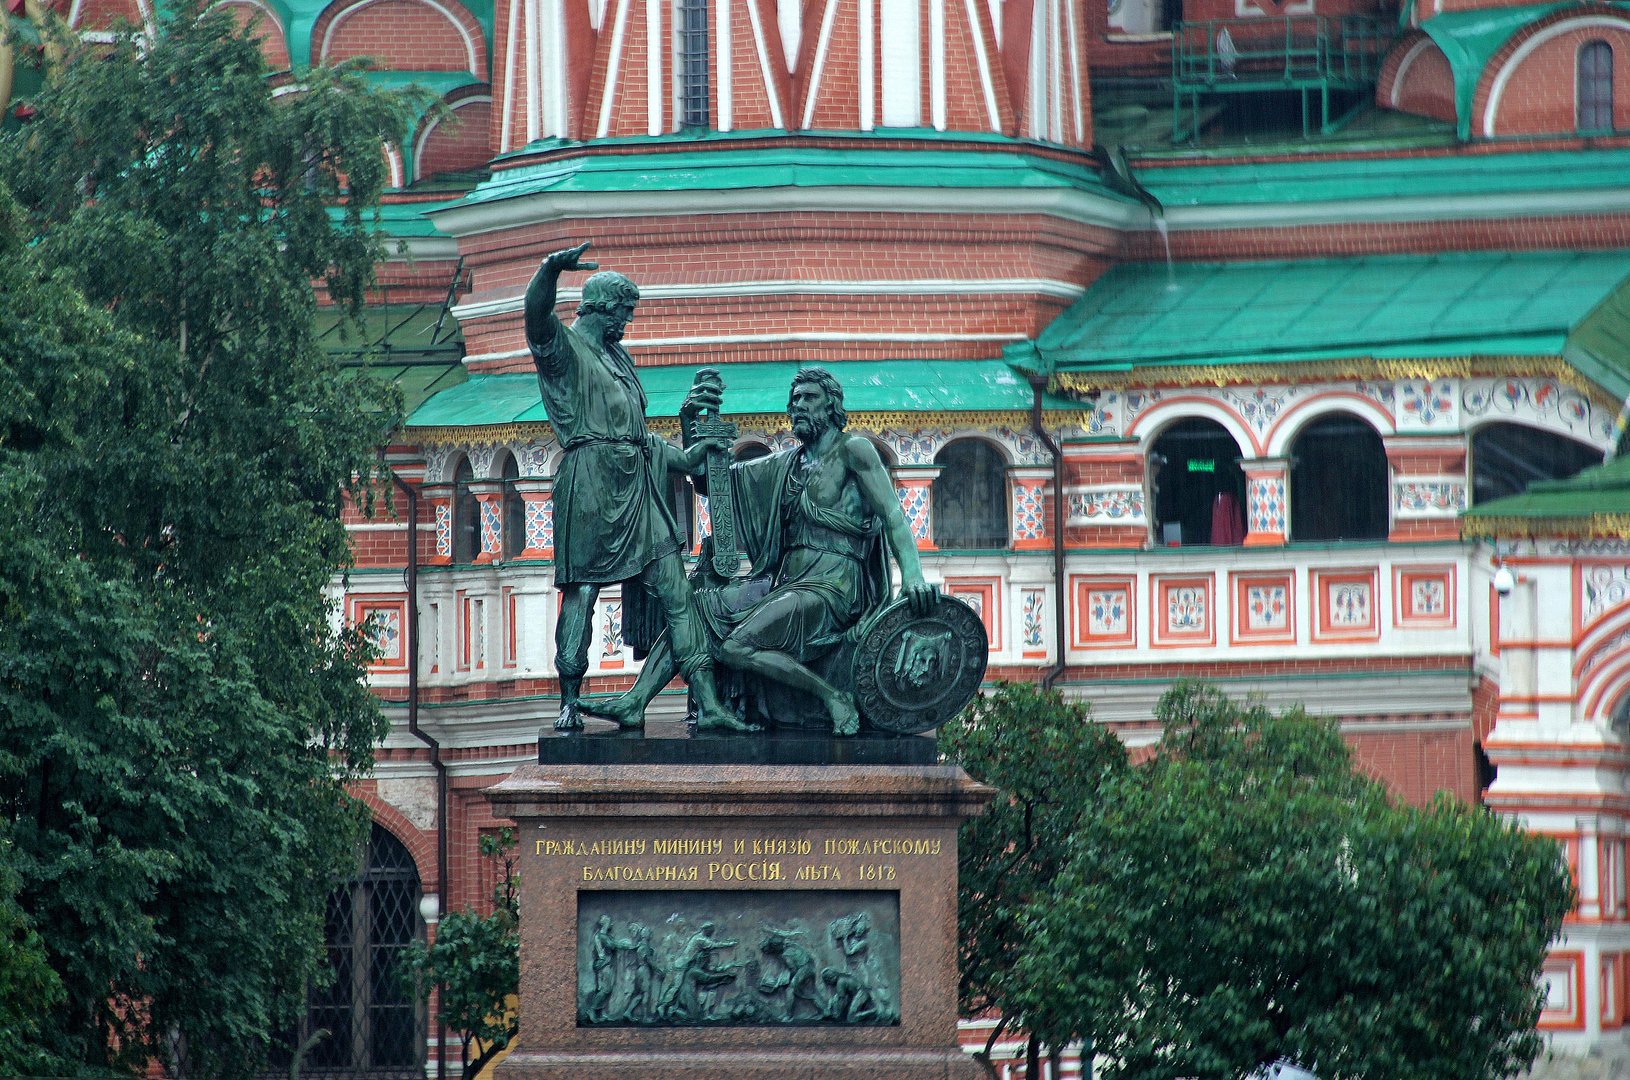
913,673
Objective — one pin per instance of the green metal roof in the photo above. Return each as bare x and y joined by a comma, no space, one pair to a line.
419,347
868,386
1464,304
1597,501
735,163
1315,178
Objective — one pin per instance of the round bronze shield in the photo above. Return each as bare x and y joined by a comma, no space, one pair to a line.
912,672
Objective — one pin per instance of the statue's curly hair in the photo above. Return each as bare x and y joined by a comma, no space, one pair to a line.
827,382
606,291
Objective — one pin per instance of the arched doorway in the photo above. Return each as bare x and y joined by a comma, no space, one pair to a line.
970,497
1199,487
1338,481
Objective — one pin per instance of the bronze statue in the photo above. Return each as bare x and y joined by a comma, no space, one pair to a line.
612,523
814,521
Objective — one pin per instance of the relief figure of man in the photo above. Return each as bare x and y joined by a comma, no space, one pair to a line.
612,522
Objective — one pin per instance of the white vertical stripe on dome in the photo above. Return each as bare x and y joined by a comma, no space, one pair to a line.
986,86
901,50
936,62
655,46
868,62
770,87
818,67
619,29
727,80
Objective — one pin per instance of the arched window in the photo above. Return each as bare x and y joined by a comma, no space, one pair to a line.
1338,481
466,515
514,510
375,1027
1593,99
1506,458
749,450
1199,487
970,497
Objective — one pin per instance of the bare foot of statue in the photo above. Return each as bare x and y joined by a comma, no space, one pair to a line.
570,718
722,720
845,717
619,710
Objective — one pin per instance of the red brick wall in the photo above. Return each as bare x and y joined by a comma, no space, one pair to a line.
102,14
837,98
1427,86
1418,764
750,100
404,34
458,142
272,44
1539,94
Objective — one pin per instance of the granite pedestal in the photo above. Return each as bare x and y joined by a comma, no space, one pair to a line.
620,835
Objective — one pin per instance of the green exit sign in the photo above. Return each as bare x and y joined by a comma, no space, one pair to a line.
1207,465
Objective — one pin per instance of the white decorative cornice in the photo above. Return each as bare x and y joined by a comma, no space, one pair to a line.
1063,290
548,207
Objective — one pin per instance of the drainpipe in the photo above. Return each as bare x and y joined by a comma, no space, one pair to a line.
436,763
1038,383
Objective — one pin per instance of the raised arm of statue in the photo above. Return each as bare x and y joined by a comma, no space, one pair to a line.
873,480
542,328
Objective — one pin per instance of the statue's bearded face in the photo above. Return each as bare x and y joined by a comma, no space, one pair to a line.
810,411
616,320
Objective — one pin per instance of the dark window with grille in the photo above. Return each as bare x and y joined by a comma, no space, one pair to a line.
1507,457
1339,482
1595,89
693,89
374,1027
514,511
466,516
969,497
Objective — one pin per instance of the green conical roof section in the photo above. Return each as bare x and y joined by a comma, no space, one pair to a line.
1594,503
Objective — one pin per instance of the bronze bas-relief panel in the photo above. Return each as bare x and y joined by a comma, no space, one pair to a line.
707,958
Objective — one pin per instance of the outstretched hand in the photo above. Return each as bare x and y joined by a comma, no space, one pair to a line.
570,259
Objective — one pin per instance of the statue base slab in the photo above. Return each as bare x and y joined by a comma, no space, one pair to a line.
764,921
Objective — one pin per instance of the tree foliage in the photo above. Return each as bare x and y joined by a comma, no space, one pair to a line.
179,712
475,965
1245,896
1052,765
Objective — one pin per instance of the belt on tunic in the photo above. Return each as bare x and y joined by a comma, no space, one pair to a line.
627,440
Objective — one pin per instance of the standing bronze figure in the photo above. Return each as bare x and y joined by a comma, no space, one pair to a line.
817,522
612,521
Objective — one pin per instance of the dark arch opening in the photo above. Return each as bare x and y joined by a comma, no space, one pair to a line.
1199,485
376,1028
1507,457
466,515
514,509
1338,481
969,497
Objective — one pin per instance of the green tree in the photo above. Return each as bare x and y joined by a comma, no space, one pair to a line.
179,714
475,965
1053,766
1246,896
